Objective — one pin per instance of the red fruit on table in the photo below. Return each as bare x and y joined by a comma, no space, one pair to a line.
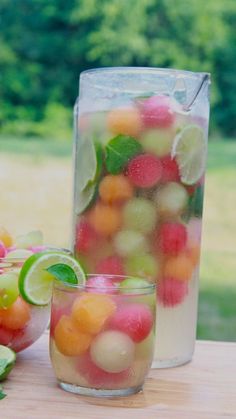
111,265
170,170
86,237
172,238
144,171
135,320
172,292
157,112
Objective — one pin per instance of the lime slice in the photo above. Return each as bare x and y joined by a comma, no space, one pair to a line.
35,282
7,361
190,151
89,166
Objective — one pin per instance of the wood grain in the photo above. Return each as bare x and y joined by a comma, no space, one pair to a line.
204,388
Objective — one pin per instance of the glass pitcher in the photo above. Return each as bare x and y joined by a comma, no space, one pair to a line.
140,155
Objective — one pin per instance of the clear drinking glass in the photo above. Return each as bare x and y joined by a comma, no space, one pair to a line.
102,337
140,155
21,323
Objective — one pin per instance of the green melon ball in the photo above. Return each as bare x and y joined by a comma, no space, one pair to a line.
158,141
171,199
140,214
137,284
143,265
8,289
128,242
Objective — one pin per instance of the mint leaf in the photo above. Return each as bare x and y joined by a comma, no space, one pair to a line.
63,273
119,151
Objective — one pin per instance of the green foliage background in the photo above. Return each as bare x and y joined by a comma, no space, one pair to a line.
44,45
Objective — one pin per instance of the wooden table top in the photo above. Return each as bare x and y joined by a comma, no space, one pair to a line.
204,388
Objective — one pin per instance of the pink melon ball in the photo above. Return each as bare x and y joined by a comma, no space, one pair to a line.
86,237
101,285
170,170
111,265
172,292
172,238
157,112
37,249
3,250
97,377
135,320
144,171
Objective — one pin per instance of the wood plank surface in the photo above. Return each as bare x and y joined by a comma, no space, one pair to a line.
204,388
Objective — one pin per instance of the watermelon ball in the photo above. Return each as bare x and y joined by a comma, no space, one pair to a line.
136,320
140,214
86,237
172,238
144,170
112,351
6,336
170,170
96,376
157,112
172,292
3,250
142,264
158,141
101,285
128,242
171,199
111,265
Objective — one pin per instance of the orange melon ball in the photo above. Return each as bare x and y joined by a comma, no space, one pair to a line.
17,315
69,340
115,189
105,220
91,312
179,267
193,252
125,121
5,237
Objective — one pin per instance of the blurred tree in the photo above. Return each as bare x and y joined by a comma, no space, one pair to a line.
44,46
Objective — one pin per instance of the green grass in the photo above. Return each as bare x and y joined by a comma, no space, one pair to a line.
217,303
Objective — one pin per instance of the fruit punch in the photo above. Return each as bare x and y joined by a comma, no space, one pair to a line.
140,156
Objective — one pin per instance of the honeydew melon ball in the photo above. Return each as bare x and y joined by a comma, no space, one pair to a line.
145,348
158,141
171,199
143,265
140,214
8,289
128,242
132,283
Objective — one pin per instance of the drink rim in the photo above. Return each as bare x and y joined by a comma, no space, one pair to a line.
65,286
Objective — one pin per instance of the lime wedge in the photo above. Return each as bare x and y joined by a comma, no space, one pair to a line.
7,361
35,282
190,151
89,166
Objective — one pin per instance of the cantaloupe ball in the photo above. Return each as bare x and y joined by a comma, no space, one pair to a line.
125,121
92,311
179,267
105,220
5,237
17,315
69,340
115,189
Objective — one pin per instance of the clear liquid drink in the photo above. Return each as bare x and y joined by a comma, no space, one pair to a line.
140,155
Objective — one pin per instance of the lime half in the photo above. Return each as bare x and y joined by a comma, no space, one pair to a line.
190,151
7,361
35,282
